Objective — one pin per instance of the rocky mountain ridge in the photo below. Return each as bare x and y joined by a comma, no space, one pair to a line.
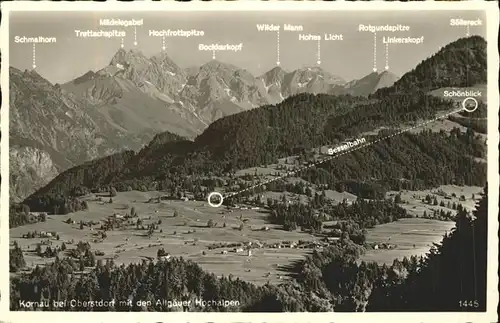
123,105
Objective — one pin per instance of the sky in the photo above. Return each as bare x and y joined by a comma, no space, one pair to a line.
351,58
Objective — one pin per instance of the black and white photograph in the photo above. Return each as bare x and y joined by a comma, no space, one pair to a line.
254,160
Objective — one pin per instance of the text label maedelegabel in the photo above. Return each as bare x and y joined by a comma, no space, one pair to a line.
34,40
176,33
121,22
100,33
221,47
390,28
403,40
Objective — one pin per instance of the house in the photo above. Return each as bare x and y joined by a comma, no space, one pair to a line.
44,234
165,257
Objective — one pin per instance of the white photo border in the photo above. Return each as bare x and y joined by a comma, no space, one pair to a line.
492,14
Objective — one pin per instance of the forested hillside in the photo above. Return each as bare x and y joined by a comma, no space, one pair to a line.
462,63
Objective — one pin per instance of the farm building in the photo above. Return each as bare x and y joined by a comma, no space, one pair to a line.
165,257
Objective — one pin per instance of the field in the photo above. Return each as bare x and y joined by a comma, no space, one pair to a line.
186,235
415,236
446,193
411,236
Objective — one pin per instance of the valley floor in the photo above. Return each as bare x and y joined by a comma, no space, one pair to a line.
189,236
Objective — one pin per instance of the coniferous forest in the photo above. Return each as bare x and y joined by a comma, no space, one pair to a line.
451,277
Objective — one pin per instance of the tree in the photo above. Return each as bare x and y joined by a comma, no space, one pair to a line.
210,223
16,258
112,192
397,199
161,252
38,249
26,209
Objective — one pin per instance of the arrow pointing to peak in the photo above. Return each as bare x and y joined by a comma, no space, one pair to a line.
374,52
319,51
34,55
386,56
278,47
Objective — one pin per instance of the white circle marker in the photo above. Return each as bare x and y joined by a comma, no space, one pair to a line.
215,194
475,104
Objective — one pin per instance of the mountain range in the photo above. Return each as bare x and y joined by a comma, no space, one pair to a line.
122,106
305,121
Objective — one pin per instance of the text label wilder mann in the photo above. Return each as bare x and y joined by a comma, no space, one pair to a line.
289,27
